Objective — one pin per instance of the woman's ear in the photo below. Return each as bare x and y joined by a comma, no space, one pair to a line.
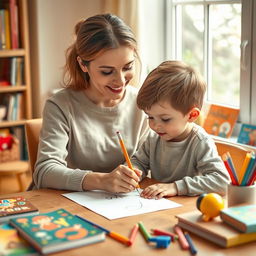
82,66
193,114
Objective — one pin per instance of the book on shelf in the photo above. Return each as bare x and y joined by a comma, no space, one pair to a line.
13,207
56,231
247,135
242,217
5,71
215,230
220,120
14,23
12,244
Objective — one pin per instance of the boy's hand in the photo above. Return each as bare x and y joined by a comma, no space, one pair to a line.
159,190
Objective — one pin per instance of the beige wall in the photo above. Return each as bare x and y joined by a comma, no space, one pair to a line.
51,29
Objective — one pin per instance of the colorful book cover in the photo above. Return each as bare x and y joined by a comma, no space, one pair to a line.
56,231
15,207
247,135
11,244
215,230
243,217
220,120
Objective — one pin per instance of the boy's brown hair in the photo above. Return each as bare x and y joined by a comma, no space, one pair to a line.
174,82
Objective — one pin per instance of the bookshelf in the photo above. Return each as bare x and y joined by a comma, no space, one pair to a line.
15,61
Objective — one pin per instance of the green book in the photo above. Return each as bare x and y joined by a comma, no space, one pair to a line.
56,231
242,217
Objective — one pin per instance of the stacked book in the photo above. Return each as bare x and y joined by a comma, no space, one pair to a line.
236,225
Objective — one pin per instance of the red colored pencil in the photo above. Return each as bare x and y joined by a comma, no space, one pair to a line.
158,232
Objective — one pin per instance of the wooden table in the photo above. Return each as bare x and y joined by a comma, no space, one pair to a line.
50,200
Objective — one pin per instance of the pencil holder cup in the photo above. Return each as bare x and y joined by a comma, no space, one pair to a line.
241,195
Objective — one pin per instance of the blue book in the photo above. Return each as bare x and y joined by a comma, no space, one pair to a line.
247,135
242,217
56,231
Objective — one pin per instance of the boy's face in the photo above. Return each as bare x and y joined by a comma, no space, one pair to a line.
168,123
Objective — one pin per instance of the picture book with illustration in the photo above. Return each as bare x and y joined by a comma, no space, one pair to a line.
247,135
56,231
12,244
242,217
220,120
14,207
215,230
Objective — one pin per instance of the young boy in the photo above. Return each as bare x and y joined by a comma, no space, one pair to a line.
180,154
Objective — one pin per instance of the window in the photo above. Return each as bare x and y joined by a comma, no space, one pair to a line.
215,37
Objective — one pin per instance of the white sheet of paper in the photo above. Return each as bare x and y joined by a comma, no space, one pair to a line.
114,206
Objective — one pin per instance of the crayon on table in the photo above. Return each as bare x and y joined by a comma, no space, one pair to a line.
133,234
158,232
143,230
192,247
118,237
182,239
126,156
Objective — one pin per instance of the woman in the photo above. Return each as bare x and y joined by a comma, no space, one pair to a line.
78,148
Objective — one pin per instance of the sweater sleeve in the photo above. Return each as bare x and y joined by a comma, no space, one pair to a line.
212,174
51,169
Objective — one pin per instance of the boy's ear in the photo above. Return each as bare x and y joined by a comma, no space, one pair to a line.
82,66
193,114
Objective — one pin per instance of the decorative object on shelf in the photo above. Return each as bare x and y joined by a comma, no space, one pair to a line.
247,135
220,120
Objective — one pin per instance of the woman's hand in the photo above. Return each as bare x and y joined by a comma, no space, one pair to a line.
120,180
159,190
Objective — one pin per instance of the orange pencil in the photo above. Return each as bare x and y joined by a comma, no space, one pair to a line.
127,158
119,237
244,167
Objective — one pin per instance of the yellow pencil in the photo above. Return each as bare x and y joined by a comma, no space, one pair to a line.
127,158
244,167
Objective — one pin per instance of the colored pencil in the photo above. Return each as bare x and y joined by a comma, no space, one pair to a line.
192,247
244,167
252,179
182,239
126,156
118,237
144,232
232,166
248,170
227,165
158,232
133,234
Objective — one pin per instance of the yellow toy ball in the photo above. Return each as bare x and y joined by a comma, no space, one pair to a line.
210,205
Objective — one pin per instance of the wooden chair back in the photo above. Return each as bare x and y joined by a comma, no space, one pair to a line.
32,128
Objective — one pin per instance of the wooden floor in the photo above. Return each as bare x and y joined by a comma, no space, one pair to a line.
9,183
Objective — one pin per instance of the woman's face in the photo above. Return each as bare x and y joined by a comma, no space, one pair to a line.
109,74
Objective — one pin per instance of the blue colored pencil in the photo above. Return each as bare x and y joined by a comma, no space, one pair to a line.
229,158
251,174
192,247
